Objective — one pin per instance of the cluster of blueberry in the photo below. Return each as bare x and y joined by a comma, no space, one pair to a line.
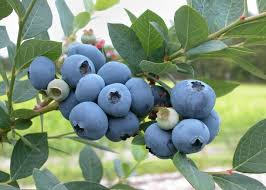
191,124
111,103
108,103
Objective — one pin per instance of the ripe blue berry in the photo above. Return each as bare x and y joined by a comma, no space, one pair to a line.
89,120
41,72
161,96
90,52
121,128
190,136
115,100
142,98
159,141
115,72
68,104
75,67
213,123
193,99
89,87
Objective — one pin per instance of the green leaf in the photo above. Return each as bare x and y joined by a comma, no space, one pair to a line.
139,152
5,9
148,36
190,27
7,187
131,16
91,143
23,91
186,69
250,154
43,36
173,44
22,124
206,47
84,185
159,68
4,119
39,20
237,182
23,113
261,5
4,40
3,106
66,17
11,48
81,20
30,49
2,88
121,186
90,165
13,184
218,13
18,7
252,29
138,140
24,159
234,55
44,179
221,87
122,169
128,46
199,180
4,177
60,187
101,5
89,5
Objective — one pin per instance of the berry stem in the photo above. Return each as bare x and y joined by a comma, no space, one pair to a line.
13,71
45,109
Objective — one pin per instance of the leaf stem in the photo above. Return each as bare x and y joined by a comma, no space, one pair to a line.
234,24
226,172
61,135
13,71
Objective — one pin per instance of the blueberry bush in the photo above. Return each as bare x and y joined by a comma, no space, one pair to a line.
135,94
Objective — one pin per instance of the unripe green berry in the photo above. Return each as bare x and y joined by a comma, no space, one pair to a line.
88,37
58,90
167,118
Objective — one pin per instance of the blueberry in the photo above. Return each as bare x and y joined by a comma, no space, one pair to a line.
193,99
115,72
159,141
123,127
190,136
41,72
167,118
68,104
213,123
89,87
58,90
161,96
142,98
75,67
115,100
90,52
89,120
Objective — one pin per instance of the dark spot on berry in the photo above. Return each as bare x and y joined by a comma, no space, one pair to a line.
197,143
78,129
56,92
28,73
84,68
114,97
197,85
